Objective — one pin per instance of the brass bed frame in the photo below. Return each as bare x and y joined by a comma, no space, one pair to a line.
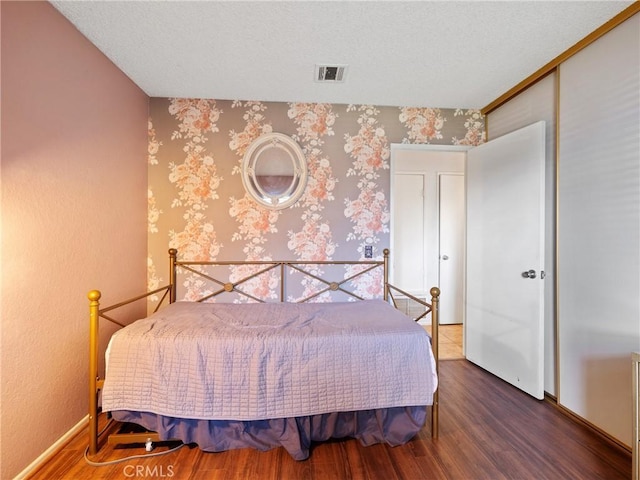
96,383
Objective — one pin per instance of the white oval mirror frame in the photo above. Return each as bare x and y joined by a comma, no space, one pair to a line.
274,170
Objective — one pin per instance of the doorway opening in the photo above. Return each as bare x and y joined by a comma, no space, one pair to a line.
426,218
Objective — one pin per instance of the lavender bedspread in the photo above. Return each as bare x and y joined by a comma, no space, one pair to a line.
204,361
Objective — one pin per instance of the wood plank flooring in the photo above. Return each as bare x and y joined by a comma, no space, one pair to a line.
488,430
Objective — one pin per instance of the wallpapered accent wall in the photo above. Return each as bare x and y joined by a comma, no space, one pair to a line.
198,205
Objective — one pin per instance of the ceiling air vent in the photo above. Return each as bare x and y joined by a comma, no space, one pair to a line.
330,73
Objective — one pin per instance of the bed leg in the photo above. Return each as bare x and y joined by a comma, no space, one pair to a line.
94,307
435,322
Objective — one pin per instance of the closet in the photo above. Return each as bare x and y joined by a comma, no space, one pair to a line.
590,101
599,228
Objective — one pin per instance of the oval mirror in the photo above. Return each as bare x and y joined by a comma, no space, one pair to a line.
274,170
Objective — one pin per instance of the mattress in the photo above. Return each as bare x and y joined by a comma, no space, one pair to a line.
213,361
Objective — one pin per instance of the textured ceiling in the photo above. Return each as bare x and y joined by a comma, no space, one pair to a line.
421,53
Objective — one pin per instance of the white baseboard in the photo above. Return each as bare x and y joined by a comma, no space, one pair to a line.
53,449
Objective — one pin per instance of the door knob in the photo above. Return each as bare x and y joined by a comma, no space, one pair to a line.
445,257
529,274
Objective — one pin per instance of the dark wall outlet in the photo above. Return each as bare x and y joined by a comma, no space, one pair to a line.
368,251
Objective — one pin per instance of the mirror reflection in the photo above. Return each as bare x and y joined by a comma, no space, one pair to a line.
274,171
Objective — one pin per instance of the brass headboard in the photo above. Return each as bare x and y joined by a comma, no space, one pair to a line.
223,285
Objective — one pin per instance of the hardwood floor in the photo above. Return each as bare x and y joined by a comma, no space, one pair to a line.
488,430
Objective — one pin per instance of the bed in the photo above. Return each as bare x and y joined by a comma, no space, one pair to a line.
285,372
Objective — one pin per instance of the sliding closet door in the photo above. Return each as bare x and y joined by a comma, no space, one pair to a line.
538,102
599,228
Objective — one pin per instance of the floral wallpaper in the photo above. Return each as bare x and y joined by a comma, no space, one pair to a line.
197,203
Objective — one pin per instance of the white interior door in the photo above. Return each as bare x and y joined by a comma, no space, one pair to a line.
505,257
408,255
451,245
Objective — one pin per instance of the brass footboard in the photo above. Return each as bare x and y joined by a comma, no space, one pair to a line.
434,309
95,381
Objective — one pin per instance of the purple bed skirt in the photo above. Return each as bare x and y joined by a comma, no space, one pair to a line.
394,426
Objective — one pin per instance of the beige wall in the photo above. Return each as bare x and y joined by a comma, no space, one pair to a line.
74,217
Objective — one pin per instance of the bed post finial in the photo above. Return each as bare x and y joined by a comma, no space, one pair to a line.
94,295
173,255
94,312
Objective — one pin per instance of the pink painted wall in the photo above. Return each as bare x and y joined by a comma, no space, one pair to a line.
74,217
